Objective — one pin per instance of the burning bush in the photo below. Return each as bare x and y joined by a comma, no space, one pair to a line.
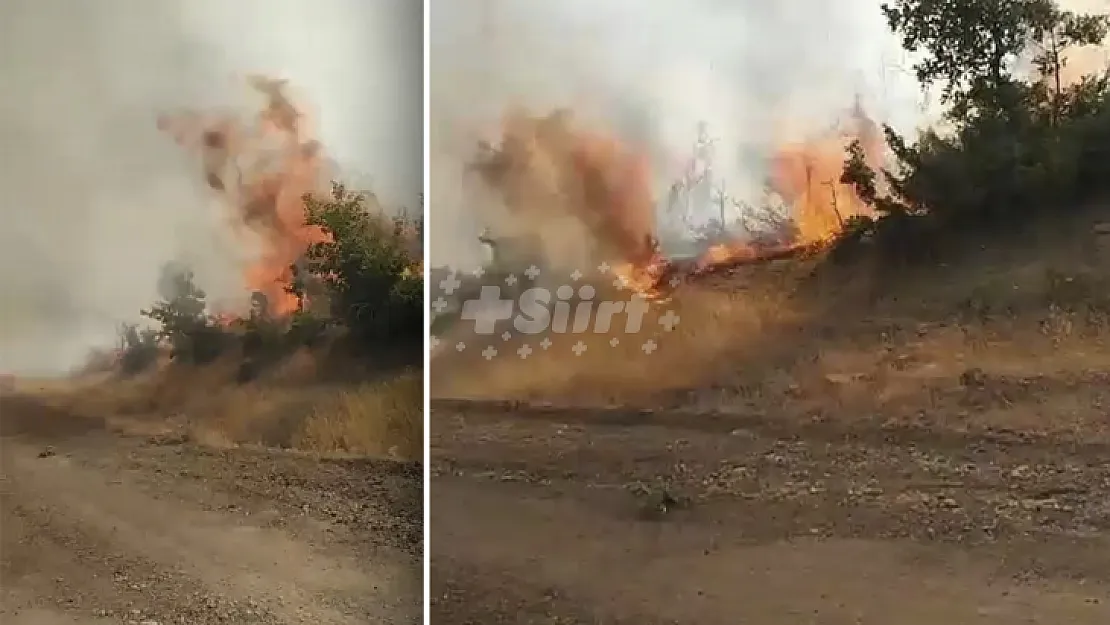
361,269
330,257
550,170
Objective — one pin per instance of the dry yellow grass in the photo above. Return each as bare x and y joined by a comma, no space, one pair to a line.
383,418
296,408
714,326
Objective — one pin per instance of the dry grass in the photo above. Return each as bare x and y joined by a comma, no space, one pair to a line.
381,419
713,326
297,407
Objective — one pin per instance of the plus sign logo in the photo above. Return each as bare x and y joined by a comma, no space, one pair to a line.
523,315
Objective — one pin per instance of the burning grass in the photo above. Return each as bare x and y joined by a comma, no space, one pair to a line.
550,171
1016,337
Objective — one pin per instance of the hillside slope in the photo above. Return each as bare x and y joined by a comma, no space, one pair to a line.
812,443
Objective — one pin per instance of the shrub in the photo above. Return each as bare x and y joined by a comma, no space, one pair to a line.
193,335
138,348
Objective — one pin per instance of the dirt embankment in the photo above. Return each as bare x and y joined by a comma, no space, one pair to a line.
99,527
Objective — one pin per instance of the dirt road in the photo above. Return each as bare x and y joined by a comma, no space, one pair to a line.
102,528
547,516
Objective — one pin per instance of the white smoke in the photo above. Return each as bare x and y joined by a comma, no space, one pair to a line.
755,72
95,199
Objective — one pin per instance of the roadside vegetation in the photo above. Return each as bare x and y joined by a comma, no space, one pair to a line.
340,373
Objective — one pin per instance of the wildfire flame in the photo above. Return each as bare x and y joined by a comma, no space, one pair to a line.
547,166
262,170
807,176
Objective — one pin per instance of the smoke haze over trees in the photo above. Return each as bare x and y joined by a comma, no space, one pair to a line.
98,200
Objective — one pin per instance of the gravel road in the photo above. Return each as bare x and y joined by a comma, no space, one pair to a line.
98,527
544,516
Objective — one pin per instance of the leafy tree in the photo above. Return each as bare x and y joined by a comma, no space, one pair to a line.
365,263
193,335
971,47
1055,31
1016,144
859,175
365,269
262,339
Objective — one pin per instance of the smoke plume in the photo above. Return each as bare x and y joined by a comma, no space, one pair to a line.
96,198
760,75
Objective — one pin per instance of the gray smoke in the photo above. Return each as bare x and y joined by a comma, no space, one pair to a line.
756,72
94,200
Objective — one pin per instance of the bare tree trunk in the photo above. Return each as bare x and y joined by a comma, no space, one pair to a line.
835,204
1057,68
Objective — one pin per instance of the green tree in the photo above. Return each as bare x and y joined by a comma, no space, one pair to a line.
365,263
1055,31
967,47
1016,143
970,48
193,335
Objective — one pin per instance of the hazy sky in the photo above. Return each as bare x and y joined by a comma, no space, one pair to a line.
756,71
95,200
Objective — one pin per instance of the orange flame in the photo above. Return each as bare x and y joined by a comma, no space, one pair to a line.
547,166
806,175
263,172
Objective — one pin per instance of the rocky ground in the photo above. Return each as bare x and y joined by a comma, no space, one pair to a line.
543,516
97,527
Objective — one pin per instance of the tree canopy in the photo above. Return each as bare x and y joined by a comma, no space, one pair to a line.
1025,133
364,271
